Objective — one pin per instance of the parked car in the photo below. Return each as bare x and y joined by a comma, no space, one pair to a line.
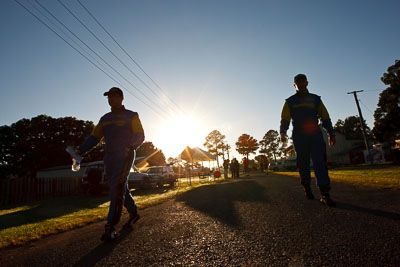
275,166
163,175
137,179
94,180
289,164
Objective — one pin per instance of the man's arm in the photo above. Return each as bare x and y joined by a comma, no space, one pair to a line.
326,123
138,133
286,115
94,138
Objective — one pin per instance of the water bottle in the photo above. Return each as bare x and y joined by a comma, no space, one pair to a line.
76,166
76,159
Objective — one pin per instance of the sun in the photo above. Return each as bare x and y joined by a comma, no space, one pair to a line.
178,132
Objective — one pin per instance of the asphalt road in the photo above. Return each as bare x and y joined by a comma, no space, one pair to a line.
252,221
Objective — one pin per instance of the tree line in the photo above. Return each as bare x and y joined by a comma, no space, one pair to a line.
33,144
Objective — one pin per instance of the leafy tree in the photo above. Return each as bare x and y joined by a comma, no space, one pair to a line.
225,149
270,144
154,156
387,115
38,143
246,145
351,128
214,142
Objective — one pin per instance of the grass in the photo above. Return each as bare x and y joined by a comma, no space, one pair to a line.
379,176
21,224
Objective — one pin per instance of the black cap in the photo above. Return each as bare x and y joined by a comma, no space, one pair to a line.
114,90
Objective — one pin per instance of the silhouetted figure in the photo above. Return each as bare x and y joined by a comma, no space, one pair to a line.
123,133
304,109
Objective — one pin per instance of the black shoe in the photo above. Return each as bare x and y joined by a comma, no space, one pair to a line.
327,201
308,192
109,233
133,217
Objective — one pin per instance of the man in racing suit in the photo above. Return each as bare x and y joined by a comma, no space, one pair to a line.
304,109
123,133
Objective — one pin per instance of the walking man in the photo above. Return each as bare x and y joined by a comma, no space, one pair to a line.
123,134
304,109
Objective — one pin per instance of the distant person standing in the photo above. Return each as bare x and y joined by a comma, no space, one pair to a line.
304,109
226,168
266,164
232,167
123,134
246,165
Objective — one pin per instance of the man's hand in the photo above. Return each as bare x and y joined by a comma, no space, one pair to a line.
332,140
283,137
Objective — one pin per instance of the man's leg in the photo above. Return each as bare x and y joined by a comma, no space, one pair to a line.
302,148
318,152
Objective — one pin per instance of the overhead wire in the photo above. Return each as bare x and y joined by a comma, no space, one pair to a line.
70,38
133,60
108,49
366,107
116,71
84,56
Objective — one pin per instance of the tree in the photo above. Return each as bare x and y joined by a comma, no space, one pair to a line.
246,145
270,144
387,114
225,149
351,128
214,142
38,143
154,156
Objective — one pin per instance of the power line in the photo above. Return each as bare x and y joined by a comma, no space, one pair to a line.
366,106
134,61
92,50
109,50
61,30
46,25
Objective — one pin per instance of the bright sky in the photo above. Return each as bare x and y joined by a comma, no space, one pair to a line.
229,65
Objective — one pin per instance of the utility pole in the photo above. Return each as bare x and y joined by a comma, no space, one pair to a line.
362,122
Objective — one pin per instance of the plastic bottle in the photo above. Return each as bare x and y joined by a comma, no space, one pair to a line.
76,159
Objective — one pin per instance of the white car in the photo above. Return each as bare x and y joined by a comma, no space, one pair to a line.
137,179
163,175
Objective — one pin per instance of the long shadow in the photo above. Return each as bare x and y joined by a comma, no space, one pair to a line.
380,213
218,200
51,208
102,250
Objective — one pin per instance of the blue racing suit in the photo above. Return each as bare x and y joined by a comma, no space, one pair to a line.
123,133
305,109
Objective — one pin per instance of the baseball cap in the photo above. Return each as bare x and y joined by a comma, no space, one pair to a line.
300,76
114,90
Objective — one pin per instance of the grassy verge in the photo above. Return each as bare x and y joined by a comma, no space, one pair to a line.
21,224
384,176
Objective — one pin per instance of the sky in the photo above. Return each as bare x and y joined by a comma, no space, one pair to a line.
224,65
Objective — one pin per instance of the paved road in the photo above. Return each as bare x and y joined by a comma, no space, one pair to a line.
252,221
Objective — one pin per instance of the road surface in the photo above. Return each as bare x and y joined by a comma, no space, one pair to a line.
252,221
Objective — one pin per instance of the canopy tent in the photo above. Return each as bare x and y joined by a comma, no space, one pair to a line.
196,155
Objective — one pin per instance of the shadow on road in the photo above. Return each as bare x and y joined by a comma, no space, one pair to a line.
102,250
218,200
389,215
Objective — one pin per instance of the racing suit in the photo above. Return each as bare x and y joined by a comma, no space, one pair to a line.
123,133
304,109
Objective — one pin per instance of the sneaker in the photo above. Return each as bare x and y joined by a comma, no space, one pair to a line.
308,192
327,201
133,217
109,233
